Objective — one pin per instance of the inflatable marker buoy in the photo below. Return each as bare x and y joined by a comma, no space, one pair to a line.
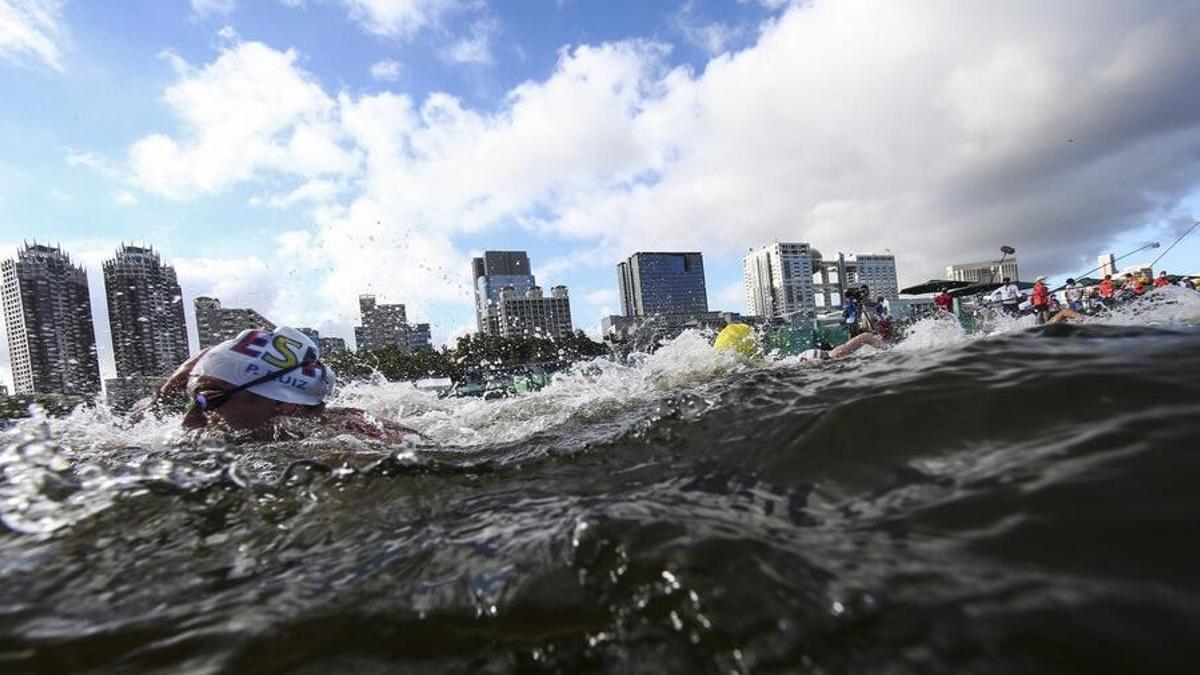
740,338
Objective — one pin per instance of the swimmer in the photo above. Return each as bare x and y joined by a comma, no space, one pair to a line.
843,350
1066,314
267,385
740,338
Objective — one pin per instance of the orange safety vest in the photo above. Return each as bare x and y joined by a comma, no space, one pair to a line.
1041,295
1106,289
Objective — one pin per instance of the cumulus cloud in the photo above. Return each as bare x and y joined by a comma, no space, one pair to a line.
31,32
935,131
250,111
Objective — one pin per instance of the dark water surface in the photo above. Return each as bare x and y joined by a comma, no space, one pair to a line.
1023,503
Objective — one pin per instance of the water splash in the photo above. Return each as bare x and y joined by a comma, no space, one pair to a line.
590,391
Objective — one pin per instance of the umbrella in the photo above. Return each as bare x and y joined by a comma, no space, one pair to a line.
980,289
934,286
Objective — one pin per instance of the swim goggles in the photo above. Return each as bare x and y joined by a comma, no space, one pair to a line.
209,401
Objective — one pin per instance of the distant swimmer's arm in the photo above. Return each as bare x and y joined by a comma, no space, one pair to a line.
856,343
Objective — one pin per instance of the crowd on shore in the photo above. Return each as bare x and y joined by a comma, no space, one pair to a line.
1077,299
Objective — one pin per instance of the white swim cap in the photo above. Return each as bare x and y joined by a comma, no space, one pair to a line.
255,353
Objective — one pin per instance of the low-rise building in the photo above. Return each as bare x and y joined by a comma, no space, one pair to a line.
989,271
907,308
533,314
216,324
387,326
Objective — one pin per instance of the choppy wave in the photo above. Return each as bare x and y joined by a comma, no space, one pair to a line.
1018,499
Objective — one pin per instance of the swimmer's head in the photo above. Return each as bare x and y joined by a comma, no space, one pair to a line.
257,375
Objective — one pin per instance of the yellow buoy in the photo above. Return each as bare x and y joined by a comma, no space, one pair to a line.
739,337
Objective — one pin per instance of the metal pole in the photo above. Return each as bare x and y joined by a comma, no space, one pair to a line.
1189,231
1153,244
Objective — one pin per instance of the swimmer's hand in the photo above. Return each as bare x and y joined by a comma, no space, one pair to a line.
177,383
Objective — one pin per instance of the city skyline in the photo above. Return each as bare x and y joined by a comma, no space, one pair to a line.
289,156
816,280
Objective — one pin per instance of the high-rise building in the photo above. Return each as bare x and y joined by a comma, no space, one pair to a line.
662,283
48,315
490,275
533,314
779,280
387,325
145,313
216,324
793,282
875,270
1107,264
983,272
509,302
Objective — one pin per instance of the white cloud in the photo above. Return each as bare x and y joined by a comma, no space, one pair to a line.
228,34
31,31
475,48
731,298
314,191
250,111
713,37
604,296
211,7
125,198
92,161
387,71
238,282
402,18
934,131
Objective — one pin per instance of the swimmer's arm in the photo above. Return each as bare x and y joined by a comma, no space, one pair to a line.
174,385
855,344
177,382
353,420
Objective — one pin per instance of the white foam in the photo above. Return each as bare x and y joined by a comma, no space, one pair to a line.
596,390
1169,306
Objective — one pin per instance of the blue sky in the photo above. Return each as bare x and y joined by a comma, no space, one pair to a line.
290,154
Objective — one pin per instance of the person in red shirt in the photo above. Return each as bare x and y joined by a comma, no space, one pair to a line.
1107,290
1161,280
1040,299
944,301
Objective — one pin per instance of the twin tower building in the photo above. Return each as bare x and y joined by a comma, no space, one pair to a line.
48,316
52,341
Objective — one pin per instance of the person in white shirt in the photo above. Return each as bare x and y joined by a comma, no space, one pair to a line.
1009,297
